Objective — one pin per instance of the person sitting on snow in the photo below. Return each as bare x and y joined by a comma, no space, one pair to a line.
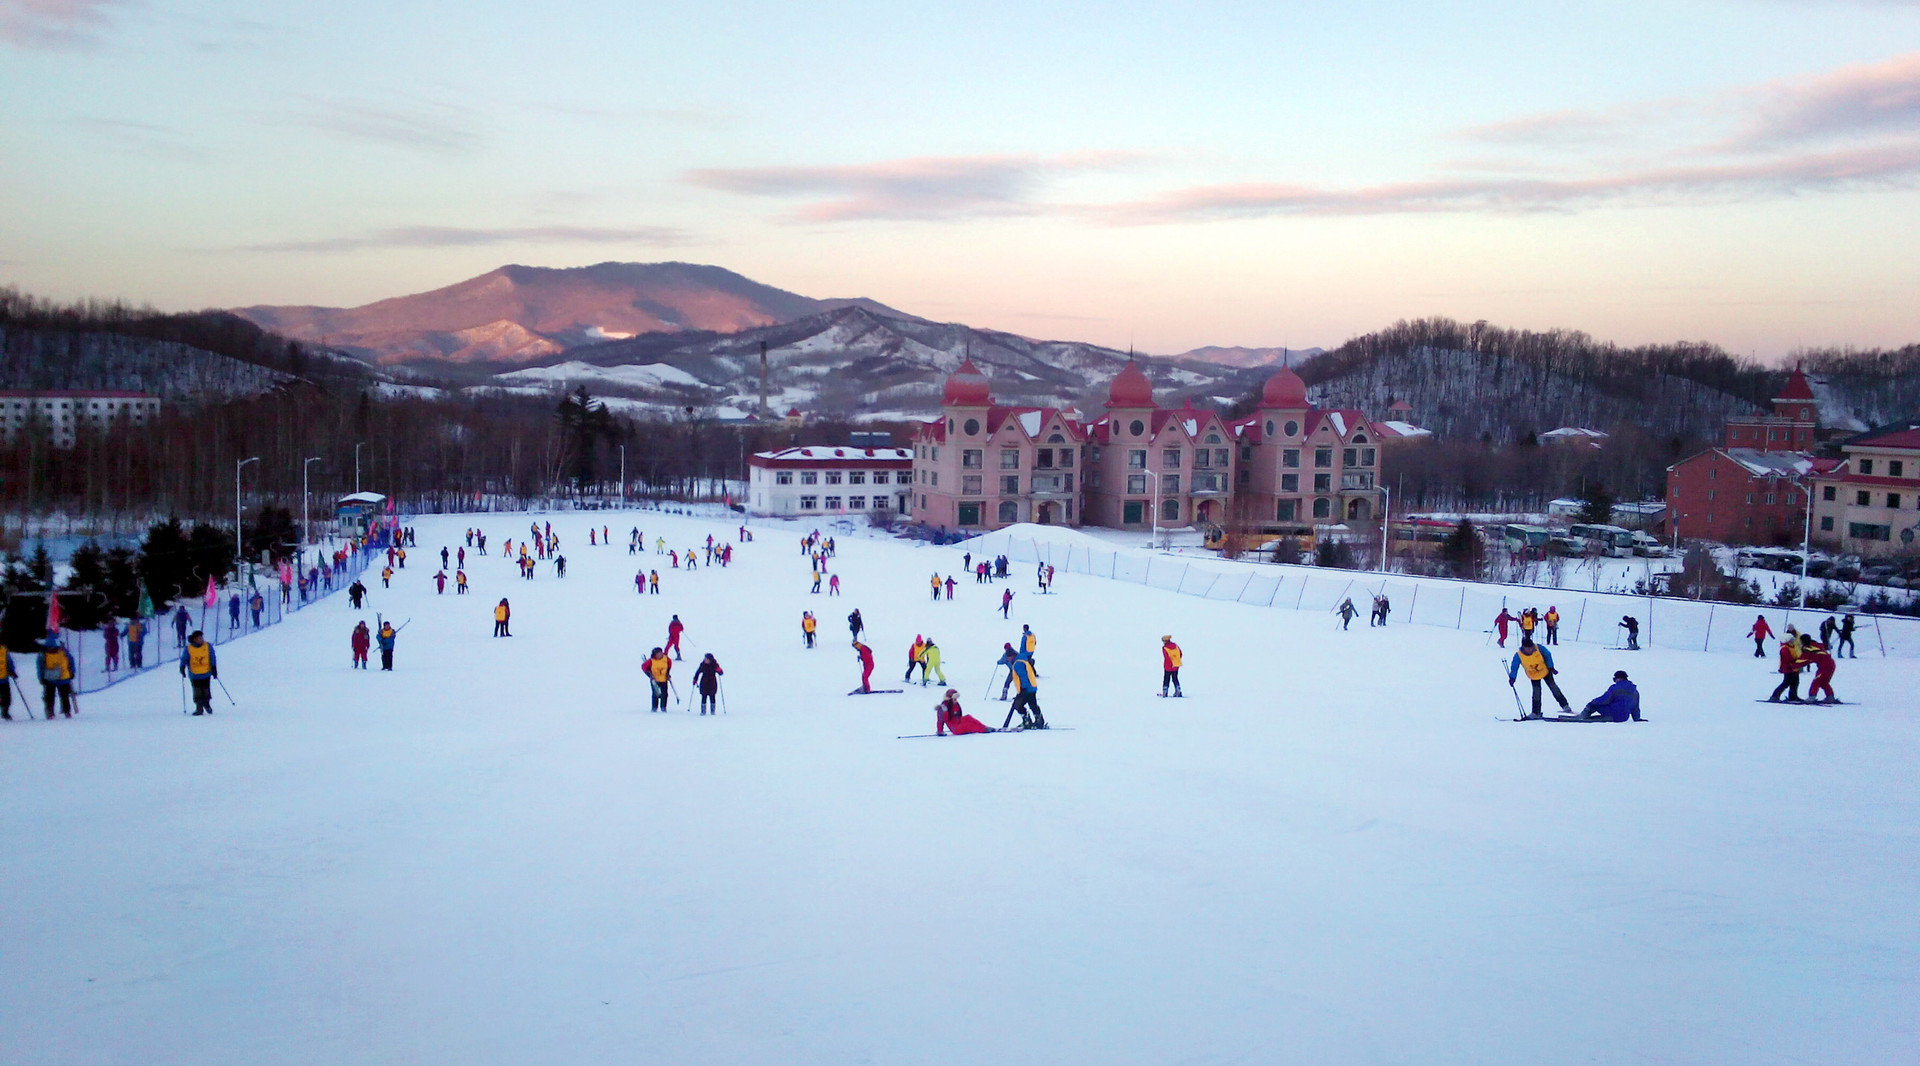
947,715
1620,703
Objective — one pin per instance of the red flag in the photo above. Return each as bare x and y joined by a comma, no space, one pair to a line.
53,612
212,595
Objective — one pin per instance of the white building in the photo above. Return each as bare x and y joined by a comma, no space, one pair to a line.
828,480
59,415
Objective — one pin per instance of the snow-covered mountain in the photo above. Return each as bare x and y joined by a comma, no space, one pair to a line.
519,314
1249,357
863,361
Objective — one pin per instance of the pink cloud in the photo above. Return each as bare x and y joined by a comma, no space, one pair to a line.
54,23
926,187
1868,98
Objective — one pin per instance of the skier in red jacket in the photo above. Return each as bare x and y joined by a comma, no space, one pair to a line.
674,629
866,665
1501,621
362,640
947,715
1760,632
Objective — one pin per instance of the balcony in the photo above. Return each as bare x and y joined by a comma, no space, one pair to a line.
1356,483
1206,484
1052,484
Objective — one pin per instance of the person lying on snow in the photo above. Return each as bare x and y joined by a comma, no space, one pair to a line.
947,715
1619,703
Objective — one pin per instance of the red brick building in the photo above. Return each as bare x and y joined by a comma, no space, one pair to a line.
1753,489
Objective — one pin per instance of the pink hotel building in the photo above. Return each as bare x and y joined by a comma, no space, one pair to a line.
1289,466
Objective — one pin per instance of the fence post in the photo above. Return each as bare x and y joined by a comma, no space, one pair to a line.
1708,642
1279,581
1411,602
1210,584
1302,594
1877,636
1460,619
1580,622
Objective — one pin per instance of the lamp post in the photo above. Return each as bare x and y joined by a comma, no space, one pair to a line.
623,476
237,467
306,511
1806,541
357,445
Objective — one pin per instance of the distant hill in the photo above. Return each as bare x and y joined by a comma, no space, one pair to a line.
1249,357
521,314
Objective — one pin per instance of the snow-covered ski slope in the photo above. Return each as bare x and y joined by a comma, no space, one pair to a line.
1329,852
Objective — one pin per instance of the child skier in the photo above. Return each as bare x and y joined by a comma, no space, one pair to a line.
807,625
1170,666
386,638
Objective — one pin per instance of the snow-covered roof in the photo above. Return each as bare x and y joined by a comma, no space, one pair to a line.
1573,433
826,453
1397,428
1030,421
1777,464
363,497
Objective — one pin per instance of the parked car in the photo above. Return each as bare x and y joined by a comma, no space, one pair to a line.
1819,567
1878,575
1649,546
1843,571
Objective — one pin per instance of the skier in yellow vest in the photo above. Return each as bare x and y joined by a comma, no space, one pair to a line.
6,686
198,666
1538,664
807,626
1552,619
56,676
659,671
1169,666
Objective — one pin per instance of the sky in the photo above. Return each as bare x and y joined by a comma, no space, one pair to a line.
1745,172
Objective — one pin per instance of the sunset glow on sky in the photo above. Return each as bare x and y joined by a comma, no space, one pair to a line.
1742,172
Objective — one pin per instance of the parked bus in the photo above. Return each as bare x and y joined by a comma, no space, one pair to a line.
1612,541
1531,538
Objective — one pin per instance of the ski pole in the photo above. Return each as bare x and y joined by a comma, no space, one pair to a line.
183,693
723,697
675,689
984,696
224,692
1518,708
24,705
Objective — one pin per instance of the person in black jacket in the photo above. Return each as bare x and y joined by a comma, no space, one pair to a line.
706,678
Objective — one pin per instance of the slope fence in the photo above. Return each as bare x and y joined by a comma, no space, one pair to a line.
1587,618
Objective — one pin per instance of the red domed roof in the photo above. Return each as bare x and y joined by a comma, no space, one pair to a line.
968,387
1284,389
1130,388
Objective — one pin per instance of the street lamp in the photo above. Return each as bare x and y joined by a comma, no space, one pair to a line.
306,511
357,445
237,467
623,476
1806,541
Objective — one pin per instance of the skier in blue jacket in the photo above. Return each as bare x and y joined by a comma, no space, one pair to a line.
1619,703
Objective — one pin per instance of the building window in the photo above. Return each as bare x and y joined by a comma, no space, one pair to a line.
879,503
1322,508
809,478
1222,458
1826,525
1866,466
1131,513
1290,458
880,477
1323,482
1136,459
970,514
1350,457
1367,456
784,477
933,478
1713,474
972,426
1009,458
1202,459
856,503
1043,459
1009,512
1138,427
1269,427
1289,482
809,503
972,458
1136,484
1323,457
1896,468
1010,485
857,477
833,477
1246,453
1170,459
1749,499
1710,494
1769,497
1245,477
933,453
1866,531
1862,498
1066,458
1286,511
1169,510
1893,500
923,501
833,503
970,484
1169,484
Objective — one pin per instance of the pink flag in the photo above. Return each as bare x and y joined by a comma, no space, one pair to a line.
212,594
53,612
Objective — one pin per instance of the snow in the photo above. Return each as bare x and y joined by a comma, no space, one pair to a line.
1030,421
1330,852
650,376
